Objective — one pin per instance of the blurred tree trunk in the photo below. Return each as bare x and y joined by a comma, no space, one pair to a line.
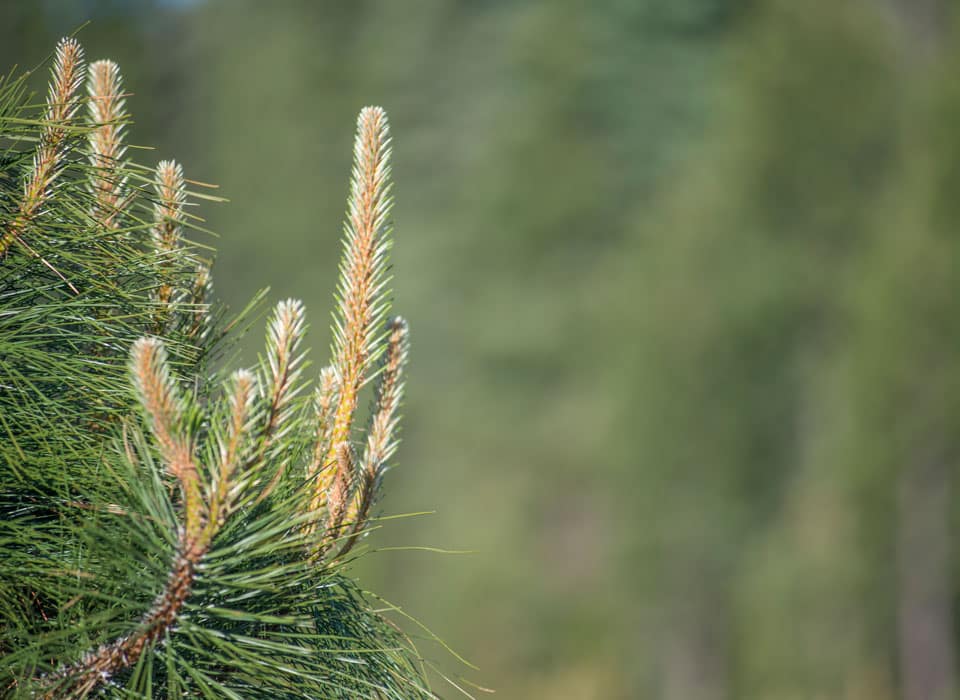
695,666
925,586
925,614
927,644
927,22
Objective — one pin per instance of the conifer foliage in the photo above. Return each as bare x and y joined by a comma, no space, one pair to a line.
168,528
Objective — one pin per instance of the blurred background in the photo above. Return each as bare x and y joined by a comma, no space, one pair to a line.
683,278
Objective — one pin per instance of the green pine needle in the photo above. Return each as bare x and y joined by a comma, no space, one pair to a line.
167,528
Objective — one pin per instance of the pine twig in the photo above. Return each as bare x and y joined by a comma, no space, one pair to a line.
226,455
166,234
198,305
168,422
107,116
232,449
382,438
323,405
361,293
166,411
283,359
50,155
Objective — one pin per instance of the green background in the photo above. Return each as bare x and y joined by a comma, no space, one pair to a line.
683,280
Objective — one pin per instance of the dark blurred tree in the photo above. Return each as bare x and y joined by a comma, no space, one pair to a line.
902,393
739,288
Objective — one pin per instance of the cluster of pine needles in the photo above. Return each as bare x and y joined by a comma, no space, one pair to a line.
169,529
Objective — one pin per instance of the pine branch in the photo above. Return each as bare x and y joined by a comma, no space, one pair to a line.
282,370
234,446
188,552
382,440
196,306
362,296
167,411
79,680
50,155
381,435
338,496
107,115
324,402
166,235
243,434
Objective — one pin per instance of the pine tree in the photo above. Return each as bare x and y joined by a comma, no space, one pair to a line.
168,528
